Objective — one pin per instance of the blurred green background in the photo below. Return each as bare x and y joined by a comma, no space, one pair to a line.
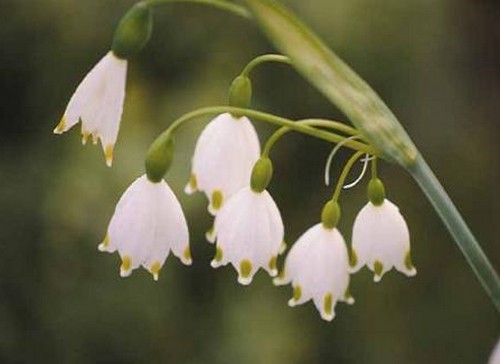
435,62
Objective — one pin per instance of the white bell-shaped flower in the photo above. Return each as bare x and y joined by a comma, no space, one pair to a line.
381,240
148,222
249,233
317,266
98,104
223,159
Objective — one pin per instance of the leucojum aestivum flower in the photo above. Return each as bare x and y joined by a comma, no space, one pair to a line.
234,172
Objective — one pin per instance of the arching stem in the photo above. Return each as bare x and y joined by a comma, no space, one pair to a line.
219,4
328,124
271,119
277,58
344,174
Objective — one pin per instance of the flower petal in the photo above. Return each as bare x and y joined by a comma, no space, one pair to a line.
249,234
148,222
381,240
98,103
318,268
223,159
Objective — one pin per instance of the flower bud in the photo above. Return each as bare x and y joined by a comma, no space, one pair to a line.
376,192
261,174
330,215
133,32
159,157
240,93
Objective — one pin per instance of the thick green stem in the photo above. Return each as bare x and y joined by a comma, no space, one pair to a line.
219,4
456,225
344,174
278,58
271,119
329,124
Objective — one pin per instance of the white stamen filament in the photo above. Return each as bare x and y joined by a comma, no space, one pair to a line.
361,175
334,151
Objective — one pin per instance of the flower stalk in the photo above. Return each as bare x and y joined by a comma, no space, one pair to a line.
219,4
327,124
275,120
344,174
265,58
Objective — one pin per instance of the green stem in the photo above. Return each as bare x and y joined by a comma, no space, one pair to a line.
278,58
344,174
220,4
330,124
456,225
271,119
374,168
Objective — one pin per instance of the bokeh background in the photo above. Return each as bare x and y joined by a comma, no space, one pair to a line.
435,62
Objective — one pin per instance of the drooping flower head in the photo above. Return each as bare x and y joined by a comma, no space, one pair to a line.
249,233
380,237
148,222
98,104
223,159
98,99
317,266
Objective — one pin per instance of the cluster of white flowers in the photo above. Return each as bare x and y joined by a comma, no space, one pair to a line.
248,230
231,170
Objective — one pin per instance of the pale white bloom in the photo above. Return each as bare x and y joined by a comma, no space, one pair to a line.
249,233
381,240
98,104
223,159
318,269
148,222
495,355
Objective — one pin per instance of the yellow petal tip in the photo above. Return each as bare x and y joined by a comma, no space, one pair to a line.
85,137
61,127
126,265
155,270
105,243
108,154
186,256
